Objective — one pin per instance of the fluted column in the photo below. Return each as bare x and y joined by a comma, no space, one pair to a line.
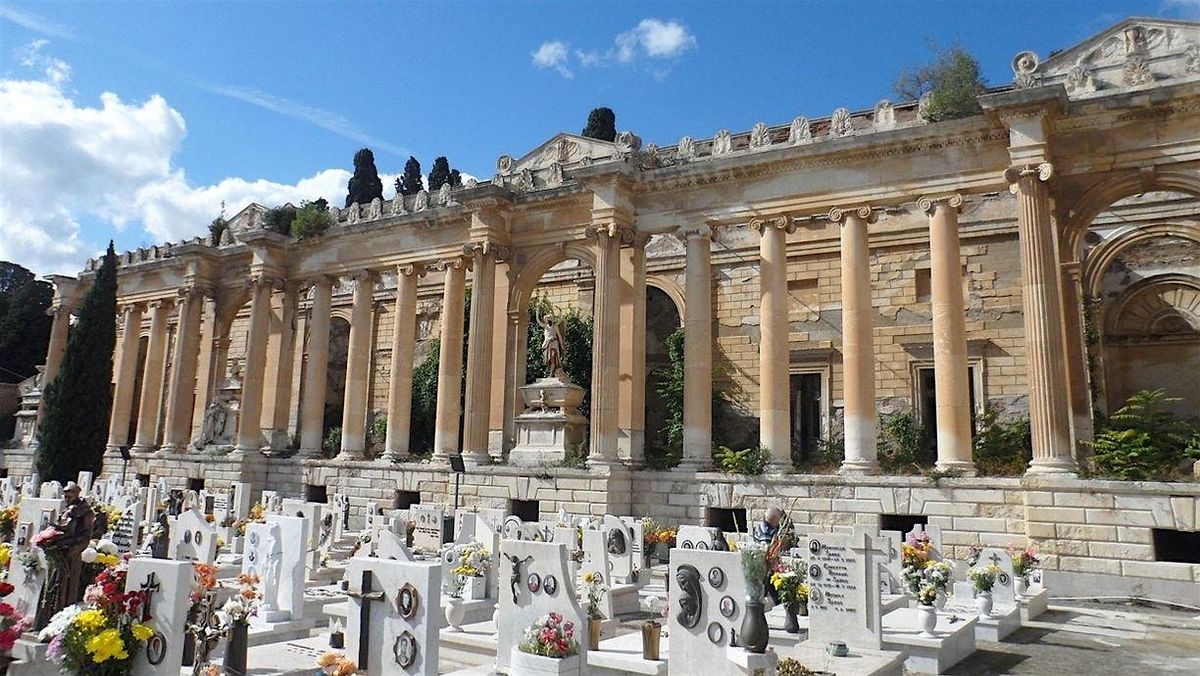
631,439
358,366
450,360
182,391
774,404
697,348
404,335
858,341
249,434
127,366
59,330
479,351
951,386
1042,303
605,338
205,364
312,411
152,378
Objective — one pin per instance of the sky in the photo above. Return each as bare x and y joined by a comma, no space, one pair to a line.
134,121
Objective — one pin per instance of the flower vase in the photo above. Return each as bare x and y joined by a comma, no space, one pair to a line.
662,551
1020,585
651,638
983,601
939,601
474,588
235,651
803,609
926,619
456,613
790,623
594,633
189,649
755,633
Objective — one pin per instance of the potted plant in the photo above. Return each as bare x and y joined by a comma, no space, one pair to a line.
1024,562
549,647
926,612
984,578
596,590
336,664
793,594
474,561
754,634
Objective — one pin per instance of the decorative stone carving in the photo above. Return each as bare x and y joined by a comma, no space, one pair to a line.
628,143
504,165
800,131
760,136
1024,66
885,115
398,205
722,143
650,158
422,201
923,106
686,150
1136,71
556,175
525,181
354,213
839,123
334,213
1191,56
1080,79
470,183
443,196
375,210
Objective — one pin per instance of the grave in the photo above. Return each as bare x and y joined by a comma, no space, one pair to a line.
394,616
193,538
534,582
126,533
621,597
274,553
697,537
168,584
429,532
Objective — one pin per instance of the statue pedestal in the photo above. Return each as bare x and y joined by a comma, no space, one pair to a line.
550,425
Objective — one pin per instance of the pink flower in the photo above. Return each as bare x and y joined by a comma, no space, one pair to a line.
48,534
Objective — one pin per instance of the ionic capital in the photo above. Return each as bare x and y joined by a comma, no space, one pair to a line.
694,231
763,225
486,247
415,270
611,230
452,263
130,307
1040,172
864,213
929,203
261,279
161,303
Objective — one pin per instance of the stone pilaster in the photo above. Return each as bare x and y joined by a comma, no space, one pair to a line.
484,257
949,335
404,335
127,367
181,395
249,434
605,338
59,330
697,348
358,366
312,404
280,351
1042,303
450,359
858,341
631,439
152,378
205,365
774,404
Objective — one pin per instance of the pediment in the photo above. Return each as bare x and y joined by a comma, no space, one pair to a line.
567,150
1134,53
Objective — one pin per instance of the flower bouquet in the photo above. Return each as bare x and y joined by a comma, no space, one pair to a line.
474,562
550,636
12,625
245,604
1024,561
336,664
8,522
103,638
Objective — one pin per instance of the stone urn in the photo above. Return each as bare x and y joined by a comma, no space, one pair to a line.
926,620
983,601
550,425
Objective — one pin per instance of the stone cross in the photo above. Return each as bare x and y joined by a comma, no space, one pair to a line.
395,616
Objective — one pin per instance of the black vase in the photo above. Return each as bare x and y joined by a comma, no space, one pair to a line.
790,624
189,649
755,632
235,652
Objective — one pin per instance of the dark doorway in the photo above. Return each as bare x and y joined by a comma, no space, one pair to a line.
406,499
902,522
335,382
728,520
316,493
135,408
806,415
662,319
528,511
1177,546
927,398
196,485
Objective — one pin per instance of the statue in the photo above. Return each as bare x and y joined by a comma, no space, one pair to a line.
554,345
65,552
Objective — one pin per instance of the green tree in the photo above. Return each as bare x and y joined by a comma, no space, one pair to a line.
440,174
77,403
24,324
280,219
312,220
455,178
952,79
409,183
364,185
601,124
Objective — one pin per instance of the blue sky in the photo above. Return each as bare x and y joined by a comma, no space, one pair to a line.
133,120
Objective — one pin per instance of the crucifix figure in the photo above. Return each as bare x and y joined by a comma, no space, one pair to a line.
365,596
149,587
516,572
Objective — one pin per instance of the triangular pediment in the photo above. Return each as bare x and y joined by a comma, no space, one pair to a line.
568,150
1134,53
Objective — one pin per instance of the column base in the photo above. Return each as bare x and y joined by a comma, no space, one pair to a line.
171,449
956,467
859,466
477,458
602,463
309,454
142,449
694,465
394,457
1056,466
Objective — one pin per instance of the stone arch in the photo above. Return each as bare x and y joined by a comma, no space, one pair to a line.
671,287
1108,191
1143,309
1100,258
538,264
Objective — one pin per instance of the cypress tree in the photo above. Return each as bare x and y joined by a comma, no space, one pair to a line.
410,182
440,174
77,403
24,324
601,124
364,185
455,178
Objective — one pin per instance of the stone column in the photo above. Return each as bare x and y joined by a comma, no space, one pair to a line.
517,344
774,377
605,348
1078,375
312,412
449,405
127,366
205,364
858,341
183,372
59,331
697,348
500,352
277,390
249,434
1041,301
404,335
358,366
631,440
949,336
479,352
152,378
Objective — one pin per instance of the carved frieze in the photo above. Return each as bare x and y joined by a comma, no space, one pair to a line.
686,150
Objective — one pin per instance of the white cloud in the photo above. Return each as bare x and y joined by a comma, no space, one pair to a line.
553,54
56,70
656,38
35,23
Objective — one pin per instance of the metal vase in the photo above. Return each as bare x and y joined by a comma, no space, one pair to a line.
755,632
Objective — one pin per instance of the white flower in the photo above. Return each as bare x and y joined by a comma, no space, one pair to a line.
107,547
59,623
88,555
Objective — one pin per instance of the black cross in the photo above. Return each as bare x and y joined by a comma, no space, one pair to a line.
148,588
366,596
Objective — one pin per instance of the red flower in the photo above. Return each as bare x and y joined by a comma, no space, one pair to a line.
6,589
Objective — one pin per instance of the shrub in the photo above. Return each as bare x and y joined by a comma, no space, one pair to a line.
312,219
1001,447
903,442
952,79
332,445
280,219
1143,441
748,461
577,361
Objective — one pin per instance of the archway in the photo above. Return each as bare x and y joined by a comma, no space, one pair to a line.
335,380
662,320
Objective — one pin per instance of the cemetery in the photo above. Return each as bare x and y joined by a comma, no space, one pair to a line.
542,532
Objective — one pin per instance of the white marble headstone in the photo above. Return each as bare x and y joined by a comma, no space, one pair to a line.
193,538
430,529
519,606
704,618
696,537
274,552
843,596
1003,591
394,616
169,583
27,581
126,532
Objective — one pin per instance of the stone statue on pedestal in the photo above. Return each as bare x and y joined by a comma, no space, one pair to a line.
554,345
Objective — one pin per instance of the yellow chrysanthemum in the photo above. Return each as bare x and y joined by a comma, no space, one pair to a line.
108,560
91,620
142,632
107,645
5,554
588,578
